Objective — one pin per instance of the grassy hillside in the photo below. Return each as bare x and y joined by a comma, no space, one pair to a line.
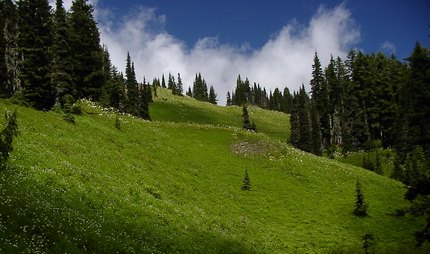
187,110
173,186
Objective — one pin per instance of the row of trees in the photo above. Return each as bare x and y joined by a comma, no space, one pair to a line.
369,101
47,56
354,104
256,95
200,90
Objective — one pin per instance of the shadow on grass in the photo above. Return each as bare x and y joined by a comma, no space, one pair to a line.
48,218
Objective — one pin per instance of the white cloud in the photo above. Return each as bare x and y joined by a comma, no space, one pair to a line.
388,47
285,60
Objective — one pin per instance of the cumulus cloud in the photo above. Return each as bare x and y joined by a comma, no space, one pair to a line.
285,59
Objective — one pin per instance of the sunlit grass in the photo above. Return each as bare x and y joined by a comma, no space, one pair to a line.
173,185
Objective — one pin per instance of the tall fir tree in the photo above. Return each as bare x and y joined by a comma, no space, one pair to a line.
294,122
316,131
9,79
212,96
320,96
61,57
34,40
87,64
132,102
305,137
179,89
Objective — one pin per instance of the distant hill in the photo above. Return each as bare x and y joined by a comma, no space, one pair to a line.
173,185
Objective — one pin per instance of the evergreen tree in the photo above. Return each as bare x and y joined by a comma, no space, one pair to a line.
87,64
179,86
200,89
246,181
171,84
320,96
61,58
189,92
294,123
247,124
7,136
9,83
229,101
305,138
155,85
316,132
132,102
212,96
163,82
34,41
360,208
145,97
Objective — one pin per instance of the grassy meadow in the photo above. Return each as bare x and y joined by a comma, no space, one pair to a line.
173,185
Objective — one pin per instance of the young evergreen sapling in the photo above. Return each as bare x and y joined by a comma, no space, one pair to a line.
246,181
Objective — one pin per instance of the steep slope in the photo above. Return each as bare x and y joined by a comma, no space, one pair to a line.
167,186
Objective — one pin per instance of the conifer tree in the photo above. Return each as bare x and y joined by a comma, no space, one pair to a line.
229,102
212,96
320,96
294,123
316,132
9,83
246,181
163,82
7,136
87,52
145,96
171,84
61,57
247,124
189,92
34,40
305,140
360,208
155,85
132,102
179,89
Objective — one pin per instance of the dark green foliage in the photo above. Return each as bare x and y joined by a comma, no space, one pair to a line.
118,123
189,92
87,60
34,42
178,87
360,208
246,182
8,49
368,243
212,96
247,124
7,136
132,102
145,97
67,103
316,132
294,123
60,54
200,89
305,137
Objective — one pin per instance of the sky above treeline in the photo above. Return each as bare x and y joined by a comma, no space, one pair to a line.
272,42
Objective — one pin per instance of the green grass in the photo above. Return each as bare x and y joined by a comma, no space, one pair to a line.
173,186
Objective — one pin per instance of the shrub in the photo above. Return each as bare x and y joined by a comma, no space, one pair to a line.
6,137
118,123
246,181
360,207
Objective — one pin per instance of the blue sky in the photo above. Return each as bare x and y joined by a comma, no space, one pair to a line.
397,22
272,42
